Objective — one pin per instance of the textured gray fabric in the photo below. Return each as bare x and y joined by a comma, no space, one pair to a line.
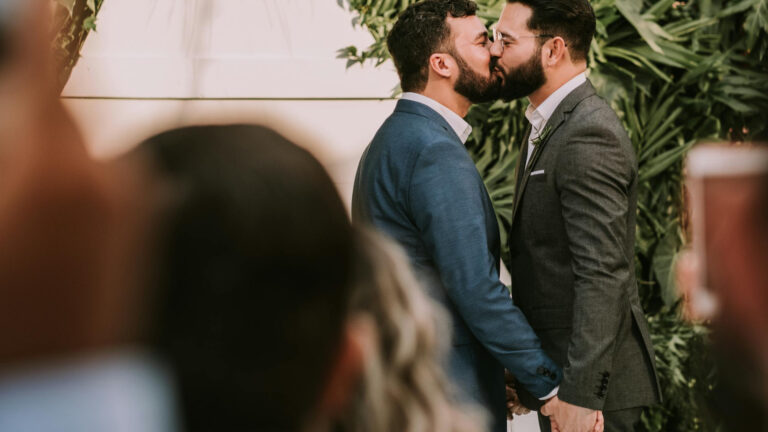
572,248
625,420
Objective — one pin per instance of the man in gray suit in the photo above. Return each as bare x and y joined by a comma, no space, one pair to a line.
573,229
417,183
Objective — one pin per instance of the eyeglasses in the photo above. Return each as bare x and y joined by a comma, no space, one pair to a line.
507,39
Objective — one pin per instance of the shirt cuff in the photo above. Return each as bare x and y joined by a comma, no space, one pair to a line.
551,394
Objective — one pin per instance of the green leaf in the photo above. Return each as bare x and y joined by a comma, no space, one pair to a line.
681,28
741,6
664,261
638,60
738,106
660,8
660,163
90,23
650,31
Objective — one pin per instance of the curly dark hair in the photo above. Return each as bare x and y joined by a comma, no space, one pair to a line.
420,31
573,20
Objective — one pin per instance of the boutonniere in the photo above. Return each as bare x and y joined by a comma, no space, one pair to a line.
542,136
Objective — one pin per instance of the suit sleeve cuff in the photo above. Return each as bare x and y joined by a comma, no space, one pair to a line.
581,398
551,394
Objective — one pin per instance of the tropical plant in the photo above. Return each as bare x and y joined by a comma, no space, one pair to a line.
74,19
676,72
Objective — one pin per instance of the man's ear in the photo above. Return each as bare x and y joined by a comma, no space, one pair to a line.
347,371
442,64
554,51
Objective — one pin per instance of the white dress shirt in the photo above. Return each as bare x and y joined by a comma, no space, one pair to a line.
539,116
458,124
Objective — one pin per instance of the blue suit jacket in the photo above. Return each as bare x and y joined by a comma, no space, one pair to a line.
416,183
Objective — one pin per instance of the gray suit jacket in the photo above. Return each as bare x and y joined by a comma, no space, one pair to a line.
416,183
572,247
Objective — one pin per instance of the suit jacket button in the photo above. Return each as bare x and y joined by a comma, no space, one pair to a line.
540,370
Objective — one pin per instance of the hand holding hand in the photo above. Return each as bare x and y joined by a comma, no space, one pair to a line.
565,417
514,406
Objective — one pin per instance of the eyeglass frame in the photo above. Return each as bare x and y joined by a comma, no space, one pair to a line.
499,36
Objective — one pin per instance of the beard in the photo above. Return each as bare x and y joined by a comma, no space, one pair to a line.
523,80
473,86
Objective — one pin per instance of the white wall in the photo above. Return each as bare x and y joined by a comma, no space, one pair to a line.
155,64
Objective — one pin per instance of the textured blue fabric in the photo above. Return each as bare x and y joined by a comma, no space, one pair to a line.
417,184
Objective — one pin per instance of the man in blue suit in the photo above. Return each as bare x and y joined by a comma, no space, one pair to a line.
417,183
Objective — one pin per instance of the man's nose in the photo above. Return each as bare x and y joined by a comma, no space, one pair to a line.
496,49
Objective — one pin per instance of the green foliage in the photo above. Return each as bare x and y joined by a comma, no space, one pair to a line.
688,372
74,20
676,72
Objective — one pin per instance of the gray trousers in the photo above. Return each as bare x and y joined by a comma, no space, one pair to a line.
615,421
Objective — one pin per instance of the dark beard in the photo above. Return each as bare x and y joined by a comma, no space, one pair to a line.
524,80
473,86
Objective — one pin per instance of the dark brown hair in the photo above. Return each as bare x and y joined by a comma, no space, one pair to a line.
573,20
420,31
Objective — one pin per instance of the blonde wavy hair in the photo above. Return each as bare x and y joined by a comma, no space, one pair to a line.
404,388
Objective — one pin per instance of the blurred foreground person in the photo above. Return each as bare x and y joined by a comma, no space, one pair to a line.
404,387
254,271
70,229
726,278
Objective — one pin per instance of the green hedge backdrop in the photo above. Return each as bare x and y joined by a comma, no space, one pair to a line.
676,72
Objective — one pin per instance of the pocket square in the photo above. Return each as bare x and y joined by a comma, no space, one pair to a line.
539,172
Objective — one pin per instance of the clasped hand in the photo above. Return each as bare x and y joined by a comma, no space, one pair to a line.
565,417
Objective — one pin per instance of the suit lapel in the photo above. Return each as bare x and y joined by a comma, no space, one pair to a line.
522,156
558,118
555,122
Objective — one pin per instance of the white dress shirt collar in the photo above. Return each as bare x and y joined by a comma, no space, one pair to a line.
539,116
458,124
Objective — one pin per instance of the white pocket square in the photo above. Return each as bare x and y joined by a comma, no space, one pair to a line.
539,172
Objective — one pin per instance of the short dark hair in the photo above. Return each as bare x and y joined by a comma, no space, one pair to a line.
573,20
255,264
420,31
